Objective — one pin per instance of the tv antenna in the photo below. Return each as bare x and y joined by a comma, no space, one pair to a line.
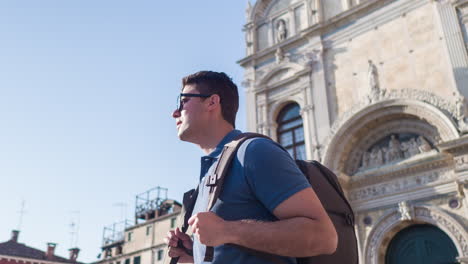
21,215
74,228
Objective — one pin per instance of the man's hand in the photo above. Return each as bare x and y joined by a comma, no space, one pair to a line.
172,238
210,228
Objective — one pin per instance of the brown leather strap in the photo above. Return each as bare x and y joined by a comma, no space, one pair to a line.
216,180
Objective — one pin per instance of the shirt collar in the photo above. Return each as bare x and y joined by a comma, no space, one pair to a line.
228,138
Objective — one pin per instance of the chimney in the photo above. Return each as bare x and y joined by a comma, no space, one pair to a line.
74,253
14,236
50,250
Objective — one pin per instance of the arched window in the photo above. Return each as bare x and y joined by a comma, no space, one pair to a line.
291,131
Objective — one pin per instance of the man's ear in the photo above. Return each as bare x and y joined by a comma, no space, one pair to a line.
214,101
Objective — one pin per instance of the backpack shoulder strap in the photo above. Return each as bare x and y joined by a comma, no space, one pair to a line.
216,180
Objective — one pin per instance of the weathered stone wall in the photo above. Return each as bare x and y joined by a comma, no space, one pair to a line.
408,51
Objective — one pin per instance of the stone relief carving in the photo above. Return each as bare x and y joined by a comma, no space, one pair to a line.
460,112
388,227
279,55
373,76
281,30
377,236
406,211
399,185
461,163
394,150
461,189
445,106
310,58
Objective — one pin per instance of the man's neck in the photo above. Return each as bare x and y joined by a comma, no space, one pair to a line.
212,138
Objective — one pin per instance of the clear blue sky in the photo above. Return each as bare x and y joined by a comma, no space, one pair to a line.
87,88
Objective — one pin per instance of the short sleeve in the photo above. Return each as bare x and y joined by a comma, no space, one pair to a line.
271,172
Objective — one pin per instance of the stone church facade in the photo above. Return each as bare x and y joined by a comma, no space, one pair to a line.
376,90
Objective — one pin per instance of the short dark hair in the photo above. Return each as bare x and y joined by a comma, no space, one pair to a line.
209,82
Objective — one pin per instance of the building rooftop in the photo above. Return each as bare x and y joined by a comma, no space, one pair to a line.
15,249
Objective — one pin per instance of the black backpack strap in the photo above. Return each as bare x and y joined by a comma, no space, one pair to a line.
216,180
188,203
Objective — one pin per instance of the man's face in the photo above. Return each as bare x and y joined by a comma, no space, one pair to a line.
190,119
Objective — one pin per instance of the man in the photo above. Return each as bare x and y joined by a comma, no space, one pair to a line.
266,203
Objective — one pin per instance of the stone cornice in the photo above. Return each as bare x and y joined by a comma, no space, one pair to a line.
351,27
316,29
455,146
422,192
287,80
428,162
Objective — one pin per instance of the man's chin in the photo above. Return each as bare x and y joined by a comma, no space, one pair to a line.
182,136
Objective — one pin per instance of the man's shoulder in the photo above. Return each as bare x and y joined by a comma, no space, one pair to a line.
260,149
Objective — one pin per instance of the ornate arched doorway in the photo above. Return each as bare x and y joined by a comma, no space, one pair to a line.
421,244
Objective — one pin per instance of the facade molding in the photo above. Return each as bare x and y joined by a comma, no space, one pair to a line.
425,105
391,223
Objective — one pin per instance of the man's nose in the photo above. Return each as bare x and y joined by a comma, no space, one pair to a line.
176,113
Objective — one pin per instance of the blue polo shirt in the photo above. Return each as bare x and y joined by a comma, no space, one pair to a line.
263,175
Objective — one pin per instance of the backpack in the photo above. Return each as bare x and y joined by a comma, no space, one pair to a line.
326,186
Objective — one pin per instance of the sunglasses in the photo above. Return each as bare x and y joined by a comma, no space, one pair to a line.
181,102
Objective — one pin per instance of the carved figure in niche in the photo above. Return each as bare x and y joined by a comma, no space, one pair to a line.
394,150
365,159
405,146
281,31
279,55
376,158
373,77
424,146
405,211
413,147
460,112
385,154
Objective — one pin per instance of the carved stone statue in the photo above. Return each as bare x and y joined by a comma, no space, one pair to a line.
405,146
460,107
424,146
394,149
376,158
385,154
413,147
373,77
279,55
281,31
365,160
460,113
405,211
